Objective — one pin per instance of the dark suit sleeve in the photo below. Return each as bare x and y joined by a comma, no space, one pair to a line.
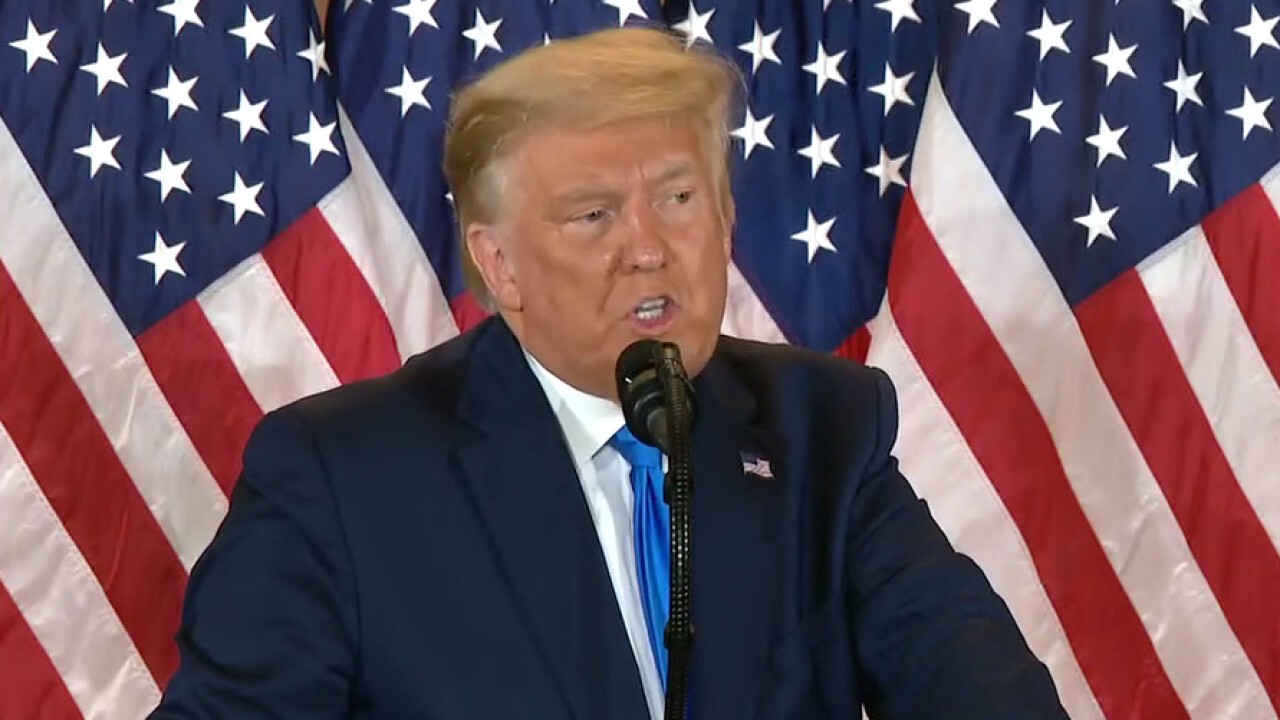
933,638
267,623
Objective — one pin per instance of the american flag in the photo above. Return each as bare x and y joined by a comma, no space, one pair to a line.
1053,222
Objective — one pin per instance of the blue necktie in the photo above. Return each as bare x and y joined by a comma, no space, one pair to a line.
652,528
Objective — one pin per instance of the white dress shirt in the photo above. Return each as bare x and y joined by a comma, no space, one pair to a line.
588,422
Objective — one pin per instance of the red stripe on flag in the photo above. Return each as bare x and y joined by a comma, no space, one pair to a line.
72,460
1244,236
203,387
982,391
332,299
856,346
30,686
467,313
1142,372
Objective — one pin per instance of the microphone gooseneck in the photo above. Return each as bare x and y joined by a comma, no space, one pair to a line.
658,404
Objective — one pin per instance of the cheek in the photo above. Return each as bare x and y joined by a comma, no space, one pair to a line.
707,253
575,284
711,275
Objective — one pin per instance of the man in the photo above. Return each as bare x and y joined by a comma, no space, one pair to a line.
456,540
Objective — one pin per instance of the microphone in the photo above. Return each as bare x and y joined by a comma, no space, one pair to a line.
657,402
639,373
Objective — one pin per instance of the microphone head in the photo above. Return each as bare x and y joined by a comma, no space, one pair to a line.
640,388
639,373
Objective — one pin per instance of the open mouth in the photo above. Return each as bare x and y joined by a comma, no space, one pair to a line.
653,309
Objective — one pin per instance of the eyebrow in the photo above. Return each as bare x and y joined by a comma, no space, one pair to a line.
673,171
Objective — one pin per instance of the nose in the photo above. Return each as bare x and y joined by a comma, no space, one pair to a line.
646,246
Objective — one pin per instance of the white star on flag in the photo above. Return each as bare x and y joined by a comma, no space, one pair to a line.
697,26
248,116
1097,222
1184,86
1116,59
894,89
826,67
1260,31
177,94
1178,168
314,54
753,133
243,198
164,258
254,32
36,45
888,170
899,10
100,152
1191,10
318,138
821,151
1040,115
761,47
106,69
626,10
183,13
979,11
817,236
1107,141
411,92
419,13
1050,35
483,34
1252,113
169,175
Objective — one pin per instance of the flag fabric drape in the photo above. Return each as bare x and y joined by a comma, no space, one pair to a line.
1053,223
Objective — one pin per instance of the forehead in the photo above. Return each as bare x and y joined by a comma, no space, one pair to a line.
649,149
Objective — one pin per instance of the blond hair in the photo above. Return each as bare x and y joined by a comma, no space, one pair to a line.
584,83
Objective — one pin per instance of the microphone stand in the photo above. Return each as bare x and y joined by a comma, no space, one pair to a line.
678,494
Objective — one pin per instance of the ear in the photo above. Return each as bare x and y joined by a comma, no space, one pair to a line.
488,247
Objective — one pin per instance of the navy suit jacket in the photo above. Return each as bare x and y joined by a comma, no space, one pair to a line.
418,547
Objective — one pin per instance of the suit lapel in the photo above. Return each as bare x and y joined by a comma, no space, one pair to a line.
735,556
526,490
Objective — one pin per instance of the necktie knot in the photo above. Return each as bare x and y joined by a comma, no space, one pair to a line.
636,453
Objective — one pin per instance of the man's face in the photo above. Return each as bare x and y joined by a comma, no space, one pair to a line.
608,236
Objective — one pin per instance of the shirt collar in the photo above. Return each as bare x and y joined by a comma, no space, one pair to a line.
588,422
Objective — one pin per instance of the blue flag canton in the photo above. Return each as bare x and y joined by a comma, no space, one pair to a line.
399,64
1112,129
174,140
823,151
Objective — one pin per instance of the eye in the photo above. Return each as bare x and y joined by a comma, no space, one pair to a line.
591,217
682,197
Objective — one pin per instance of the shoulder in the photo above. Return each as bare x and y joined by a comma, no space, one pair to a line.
819,380
419,397
826,405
